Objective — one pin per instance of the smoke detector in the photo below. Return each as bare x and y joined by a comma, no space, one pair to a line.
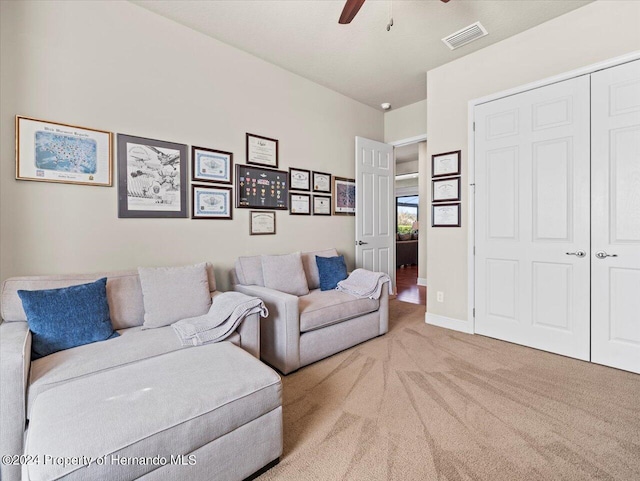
385,106
465,36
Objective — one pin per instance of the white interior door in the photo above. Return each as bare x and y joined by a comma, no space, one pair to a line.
615,299
375,215
532,218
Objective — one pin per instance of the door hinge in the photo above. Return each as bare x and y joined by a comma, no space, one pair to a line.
474,312
474,126
474,250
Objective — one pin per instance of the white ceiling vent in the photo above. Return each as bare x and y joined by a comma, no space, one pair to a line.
464,36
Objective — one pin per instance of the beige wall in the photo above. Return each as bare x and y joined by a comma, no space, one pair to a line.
406,122
118,67
596,32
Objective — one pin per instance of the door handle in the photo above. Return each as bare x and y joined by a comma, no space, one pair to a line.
360,243
604,255
579,253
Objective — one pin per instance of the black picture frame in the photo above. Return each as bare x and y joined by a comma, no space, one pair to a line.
295,175
147,175
250,154
291,207
197,214
275,198
198,172
448,157
443,180
457,213
319,179
313,206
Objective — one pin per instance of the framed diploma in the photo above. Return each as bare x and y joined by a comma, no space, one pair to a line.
344,196
54,152
321,205
262,223
321,182
300,204
445,189
262,151
208,165
211,202
445,215
445,164
299,179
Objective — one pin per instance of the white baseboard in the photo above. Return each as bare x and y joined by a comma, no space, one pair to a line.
422,281
448,323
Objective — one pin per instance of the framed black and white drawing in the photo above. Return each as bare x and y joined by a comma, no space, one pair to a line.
152,178
344,195
211,202
262,222
208,165
446,164
321,182
262,151
299,179
445,189
445,215
260,188
55,152
321,205
300,204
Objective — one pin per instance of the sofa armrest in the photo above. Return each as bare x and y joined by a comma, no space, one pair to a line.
280,331
249,331
15,361
384,308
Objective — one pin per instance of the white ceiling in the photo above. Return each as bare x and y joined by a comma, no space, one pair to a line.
361,60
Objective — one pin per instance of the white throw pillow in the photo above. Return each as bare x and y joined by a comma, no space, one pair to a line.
173,293
285,274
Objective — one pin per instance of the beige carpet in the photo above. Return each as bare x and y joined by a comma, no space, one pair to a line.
424,403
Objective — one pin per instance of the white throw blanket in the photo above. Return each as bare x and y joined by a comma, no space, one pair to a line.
227,311
364,284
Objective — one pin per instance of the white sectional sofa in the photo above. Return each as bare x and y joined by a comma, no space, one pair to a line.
303,329
206,412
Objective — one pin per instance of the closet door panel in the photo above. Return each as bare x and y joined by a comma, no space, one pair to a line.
615,136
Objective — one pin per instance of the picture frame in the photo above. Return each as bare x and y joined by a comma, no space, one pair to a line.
446,164
210,202
321,205
211,166
299,179
445,215
262,222
344,196
443,190
152,178
299,204
63,153
321,182
259,188
262,151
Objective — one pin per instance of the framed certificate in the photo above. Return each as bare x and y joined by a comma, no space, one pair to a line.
445,164
54,152
445,189
445,215
321,182
211,202
208,165
262,151
344,195
262,222
299,179
321,205
300,204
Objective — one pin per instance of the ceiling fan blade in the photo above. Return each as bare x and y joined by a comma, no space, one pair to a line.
350,10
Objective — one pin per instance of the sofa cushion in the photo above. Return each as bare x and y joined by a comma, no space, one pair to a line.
285,274
332,270
174,293
311,268
249,271
163,406
322,308
67,317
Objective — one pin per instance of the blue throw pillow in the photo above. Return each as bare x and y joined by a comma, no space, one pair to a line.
64,318
332,270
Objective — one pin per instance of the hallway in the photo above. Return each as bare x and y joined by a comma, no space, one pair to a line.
408,288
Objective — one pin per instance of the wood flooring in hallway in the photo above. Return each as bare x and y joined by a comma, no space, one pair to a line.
408,288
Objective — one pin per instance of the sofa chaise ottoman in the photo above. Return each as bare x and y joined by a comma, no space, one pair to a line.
303,329
46,394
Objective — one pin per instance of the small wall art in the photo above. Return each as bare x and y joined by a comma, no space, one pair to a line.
344,196
321,182
321,205
446,164
299,179
260,188
300,204
262,151
211,202
262,222
445,189
445,215
208,165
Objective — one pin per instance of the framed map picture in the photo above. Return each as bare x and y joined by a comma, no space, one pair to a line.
152,178
55,152
344,196
208,165
211,202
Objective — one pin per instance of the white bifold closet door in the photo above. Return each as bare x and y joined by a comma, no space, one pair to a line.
532,234
615,235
